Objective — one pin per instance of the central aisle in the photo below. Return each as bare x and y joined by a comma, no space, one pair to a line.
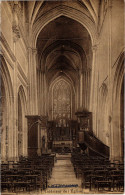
63,174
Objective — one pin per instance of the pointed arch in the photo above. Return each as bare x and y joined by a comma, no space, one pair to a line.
21,92
118,77
118,80
5,74
67,83
67,11
7,98
103,116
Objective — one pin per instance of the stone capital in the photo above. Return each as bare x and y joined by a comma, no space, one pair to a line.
94,48
33,50
80,72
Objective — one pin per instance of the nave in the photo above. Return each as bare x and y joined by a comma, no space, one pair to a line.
70,173
62,95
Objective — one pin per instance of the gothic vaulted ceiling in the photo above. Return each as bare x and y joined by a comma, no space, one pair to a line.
64,47
90,6
63,44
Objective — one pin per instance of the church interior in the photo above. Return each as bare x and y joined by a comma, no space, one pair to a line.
62,96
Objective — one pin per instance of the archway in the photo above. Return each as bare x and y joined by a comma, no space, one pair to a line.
103,131
66,11
42,40
7,148
117,116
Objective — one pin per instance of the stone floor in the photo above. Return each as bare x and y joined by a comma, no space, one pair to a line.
63,179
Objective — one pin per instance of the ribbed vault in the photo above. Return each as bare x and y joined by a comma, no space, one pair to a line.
90,7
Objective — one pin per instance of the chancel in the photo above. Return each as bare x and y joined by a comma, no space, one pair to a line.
62,96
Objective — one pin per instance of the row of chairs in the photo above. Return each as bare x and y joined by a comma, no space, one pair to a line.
98,173
29,174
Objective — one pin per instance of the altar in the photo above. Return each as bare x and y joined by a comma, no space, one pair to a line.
62,147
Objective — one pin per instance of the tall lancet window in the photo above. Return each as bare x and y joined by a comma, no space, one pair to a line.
61,100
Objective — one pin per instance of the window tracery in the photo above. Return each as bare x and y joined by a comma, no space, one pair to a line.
61,100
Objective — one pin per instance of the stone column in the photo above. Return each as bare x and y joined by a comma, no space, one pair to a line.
15,110
90,75
85,88
33,105
42,93
11,129
38,89
86,84
97,104
33,82
45,95
16,36
93,92
25,137
110,84
88,87
76,98
81,88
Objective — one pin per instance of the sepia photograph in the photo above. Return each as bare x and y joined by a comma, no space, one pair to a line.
62,97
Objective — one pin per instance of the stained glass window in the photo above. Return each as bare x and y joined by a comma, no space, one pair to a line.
61,100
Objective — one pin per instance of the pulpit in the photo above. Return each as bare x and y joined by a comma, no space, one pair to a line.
84,120
86,138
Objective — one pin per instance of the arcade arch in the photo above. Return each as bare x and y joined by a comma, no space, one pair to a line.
6,111
117,120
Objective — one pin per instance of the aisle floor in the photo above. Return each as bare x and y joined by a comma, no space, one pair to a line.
63,178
